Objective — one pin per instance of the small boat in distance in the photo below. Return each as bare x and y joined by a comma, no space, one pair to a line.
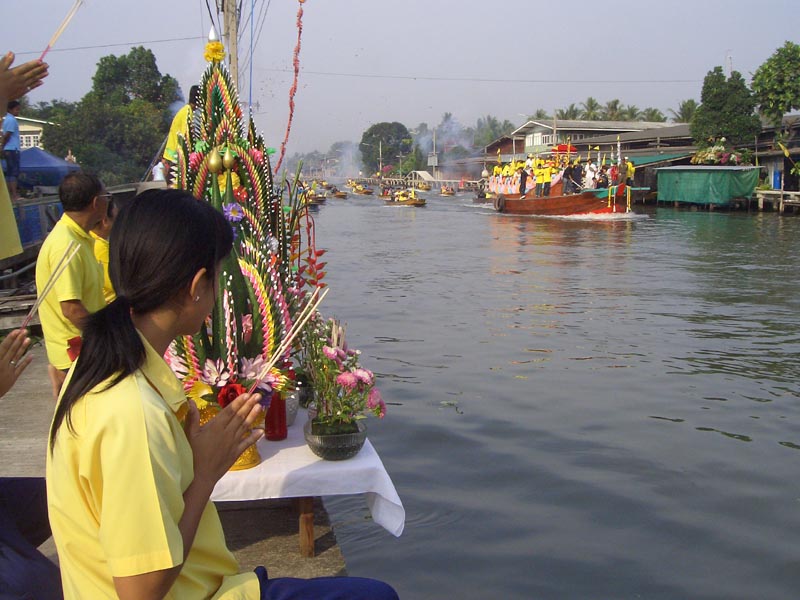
447,191
360,189
406,198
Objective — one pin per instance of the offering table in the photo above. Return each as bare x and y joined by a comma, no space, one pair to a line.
289,469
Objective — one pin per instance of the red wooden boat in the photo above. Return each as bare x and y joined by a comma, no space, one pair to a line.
589,202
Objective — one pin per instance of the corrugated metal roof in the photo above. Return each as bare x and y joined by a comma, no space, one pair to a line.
706,168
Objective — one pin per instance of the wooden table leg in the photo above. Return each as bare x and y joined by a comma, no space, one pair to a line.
306,509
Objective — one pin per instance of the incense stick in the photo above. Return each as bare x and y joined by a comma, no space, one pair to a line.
61,266
305,315
61,28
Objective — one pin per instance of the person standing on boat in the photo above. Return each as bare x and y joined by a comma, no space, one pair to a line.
589,174
548,177
523,180
630,171
538,173
566,178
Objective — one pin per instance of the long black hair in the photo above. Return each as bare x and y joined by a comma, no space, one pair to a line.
157,245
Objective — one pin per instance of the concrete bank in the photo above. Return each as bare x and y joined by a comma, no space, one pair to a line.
258,533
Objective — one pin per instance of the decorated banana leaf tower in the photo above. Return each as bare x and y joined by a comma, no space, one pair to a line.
265,321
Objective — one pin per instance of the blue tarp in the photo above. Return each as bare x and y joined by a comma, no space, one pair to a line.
37,167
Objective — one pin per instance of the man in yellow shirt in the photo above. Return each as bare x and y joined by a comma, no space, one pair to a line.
630,171
79,290
181,123
100,235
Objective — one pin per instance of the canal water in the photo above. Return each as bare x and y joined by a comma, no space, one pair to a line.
579,408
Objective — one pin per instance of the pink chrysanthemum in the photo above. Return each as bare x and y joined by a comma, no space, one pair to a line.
330,352
374,399
364,376
347,380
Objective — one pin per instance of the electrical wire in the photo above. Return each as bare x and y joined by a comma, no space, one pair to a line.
183,39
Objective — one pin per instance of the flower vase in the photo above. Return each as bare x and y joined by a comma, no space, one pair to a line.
328,445
249,458
292,406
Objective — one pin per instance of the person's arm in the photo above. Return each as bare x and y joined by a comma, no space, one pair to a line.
215,447
75,312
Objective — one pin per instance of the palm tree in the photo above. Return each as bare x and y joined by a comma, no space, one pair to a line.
539,115
571,113
685,111
631,112
612,111
591,110
652,115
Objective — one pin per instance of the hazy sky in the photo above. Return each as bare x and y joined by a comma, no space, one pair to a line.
366,61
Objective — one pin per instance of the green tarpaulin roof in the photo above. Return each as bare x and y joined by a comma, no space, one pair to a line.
642,161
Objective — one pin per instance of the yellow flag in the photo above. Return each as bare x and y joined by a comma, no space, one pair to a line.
785,150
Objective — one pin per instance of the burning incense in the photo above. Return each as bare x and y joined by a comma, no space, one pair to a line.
61,266
61,28
305,315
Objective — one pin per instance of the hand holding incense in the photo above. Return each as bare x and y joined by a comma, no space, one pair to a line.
61,28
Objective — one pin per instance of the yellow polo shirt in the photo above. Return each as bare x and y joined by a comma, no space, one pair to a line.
115,494
101,254
180,125
82,280
9,234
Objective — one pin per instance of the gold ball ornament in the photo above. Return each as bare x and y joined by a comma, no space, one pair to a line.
215,162
228,159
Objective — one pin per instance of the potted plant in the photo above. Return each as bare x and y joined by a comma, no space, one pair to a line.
344,391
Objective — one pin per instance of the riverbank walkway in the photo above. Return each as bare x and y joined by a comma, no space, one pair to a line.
262,532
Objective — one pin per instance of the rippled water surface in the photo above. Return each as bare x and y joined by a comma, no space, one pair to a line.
597,408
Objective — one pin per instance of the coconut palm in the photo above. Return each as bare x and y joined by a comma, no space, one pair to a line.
631,112
685,111
652,115
591,109
571,113
612,111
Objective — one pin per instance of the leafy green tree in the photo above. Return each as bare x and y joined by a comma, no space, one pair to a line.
776,83
727,110
652,115
385,140
590,110
118,127
685,112
571,113
489,128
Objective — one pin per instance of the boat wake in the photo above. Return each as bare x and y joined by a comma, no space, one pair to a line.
631,216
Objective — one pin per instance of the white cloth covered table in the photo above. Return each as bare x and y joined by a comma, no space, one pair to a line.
289,469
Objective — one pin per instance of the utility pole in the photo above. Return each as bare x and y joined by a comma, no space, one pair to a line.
380,158
231,35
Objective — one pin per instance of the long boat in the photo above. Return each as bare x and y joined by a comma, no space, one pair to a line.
615,199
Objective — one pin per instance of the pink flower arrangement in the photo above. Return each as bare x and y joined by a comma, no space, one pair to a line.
344,390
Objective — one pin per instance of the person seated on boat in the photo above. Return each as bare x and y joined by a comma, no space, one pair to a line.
507,170
602,178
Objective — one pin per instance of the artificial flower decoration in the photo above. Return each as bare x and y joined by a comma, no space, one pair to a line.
214,51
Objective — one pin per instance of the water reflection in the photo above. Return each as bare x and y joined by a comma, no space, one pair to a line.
573,400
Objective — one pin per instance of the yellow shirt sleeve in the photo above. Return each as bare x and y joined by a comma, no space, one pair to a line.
140,497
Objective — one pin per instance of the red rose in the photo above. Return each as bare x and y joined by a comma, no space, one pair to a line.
229,393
